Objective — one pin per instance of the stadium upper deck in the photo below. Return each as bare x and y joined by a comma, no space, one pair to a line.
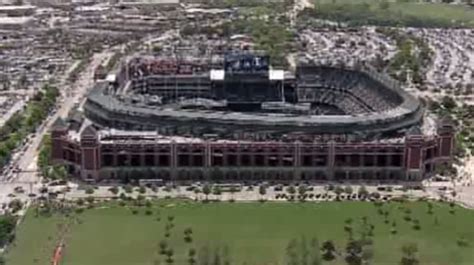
159,95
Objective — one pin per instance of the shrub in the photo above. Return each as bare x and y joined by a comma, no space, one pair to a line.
80,202
142,190
123,197
114,190
148,212
188,239
462,242
90,200
148,204
140,198
89,190
15,205
375,195
128,188
416,225
348,190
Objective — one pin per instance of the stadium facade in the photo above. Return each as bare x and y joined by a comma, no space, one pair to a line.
240,120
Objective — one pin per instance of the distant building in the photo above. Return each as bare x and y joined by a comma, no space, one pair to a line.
17,11
148,2
15,23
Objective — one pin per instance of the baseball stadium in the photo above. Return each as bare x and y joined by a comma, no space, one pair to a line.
236,118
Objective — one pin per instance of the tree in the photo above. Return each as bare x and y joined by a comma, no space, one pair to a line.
384,5
80,202
315,258
291,190
169,255
197,191
329,250
22,82
217,257
393,230
90,199
59,172
7,227
188,232
157,48
163,247
15,205
216,190
291,253
204,257
192,256
128,189
114,190
416,224
409,252
206,190
375,195
233,190
349,230
430,208
448,102
148,204
303,251
262,190
354,252
348,190
338,190
302,190
462,241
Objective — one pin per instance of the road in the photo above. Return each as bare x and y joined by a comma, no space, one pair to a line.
27,162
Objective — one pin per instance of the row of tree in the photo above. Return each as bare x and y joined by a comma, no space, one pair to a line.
21,124
47,169
7,229
412,53
266,26
357,251
358,248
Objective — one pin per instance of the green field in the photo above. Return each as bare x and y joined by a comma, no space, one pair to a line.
256,233
391,13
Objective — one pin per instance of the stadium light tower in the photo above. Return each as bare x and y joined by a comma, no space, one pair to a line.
278,75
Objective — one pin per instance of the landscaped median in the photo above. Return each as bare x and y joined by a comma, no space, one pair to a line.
25,122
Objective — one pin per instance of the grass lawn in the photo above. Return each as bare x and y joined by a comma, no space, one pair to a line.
447,12
255,233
